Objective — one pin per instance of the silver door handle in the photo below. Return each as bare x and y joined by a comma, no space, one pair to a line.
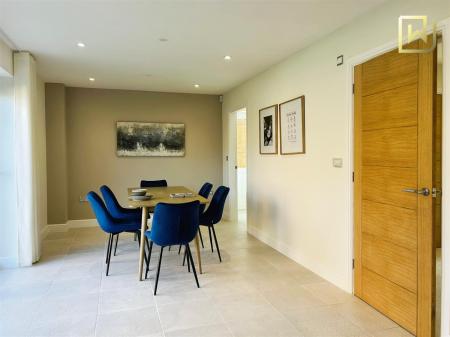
424,191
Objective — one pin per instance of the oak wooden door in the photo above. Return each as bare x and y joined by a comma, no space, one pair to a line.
393,135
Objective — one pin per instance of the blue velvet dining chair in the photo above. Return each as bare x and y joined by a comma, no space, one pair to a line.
213,214
173,224
154,183
117,211
110,224
204,192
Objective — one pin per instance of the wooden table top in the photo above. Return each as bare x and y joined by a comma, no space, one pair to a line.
162,194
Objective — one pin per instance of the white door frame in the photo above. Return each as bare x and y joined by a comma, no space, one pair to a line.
444,28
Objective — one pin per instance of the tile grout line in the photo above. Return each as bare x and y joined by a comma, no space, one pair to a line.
99,292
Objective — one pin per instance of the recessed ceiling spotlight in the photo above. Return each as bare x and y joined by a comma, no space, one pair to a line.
163,39
197,85
227,58
91,79
81,44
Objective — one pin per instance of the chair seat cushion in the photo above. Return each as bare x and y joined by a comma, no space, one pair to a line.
123,225
133,216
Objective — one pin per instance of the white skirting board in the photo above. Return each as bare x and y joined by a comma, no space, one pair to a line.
69,225
84,223
294,255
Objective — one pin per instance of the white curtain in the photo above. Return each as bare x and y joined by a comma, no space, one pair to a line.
28,157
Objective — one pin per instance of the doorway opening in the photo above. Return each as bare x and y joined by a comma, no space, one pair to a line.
241,163
237,167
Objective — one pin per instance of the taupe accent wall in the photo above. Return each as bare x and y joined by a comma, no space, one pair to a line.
56,140
91,142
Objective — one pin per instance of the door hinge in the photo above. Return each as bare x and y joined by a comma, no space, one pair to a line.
353,176
353,264
353,88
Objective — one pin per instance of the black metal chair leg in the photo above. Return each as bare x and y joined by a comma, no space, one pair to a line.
135,236
148,259
159,268
109,254
117,240
201,237
210,238
107,248
146,241
184,256
217,245
189,265
138,233
193,265
179,250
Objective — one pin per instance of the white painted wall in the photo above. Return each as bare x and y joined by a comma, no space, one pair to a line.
6,58
300,204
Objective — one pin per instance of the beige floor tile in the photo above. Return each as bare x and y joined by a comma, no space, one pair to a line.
227,287
395,332
125,299
255,291
264,328
187,315
81,285
139,322
82,325
365,316
240,307
74,305
339,328
190,293
293,298
215,330
13,314
28,291
328,293
320,313
114,281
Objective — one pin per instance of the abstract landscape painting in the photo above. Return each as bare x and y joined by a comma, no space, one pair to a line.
137,139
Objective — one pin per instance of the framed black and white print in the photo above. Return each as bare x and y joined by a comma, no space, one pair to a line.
138,139
268,130
292,126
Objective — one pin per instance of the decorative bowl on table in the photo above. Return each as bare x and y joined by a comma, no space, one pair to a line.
140,197
138,192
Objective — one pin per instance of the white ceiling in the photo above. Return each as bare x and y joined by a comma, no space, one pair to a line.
123,50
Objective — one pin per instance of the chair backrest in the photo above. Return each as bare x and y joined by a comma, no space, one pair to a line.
175,224
215,210
205,190
104,219
154,183
111,202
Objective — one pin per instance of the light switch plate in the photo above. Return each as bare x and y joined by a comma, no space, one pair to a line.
337,162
